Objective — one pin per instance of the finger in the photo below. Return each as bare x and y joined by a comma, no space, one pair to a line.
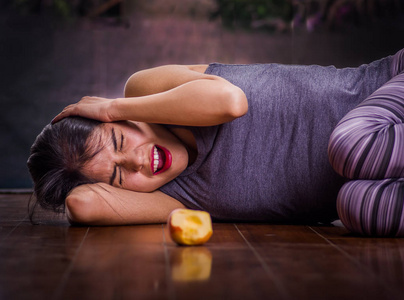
65,113
57,118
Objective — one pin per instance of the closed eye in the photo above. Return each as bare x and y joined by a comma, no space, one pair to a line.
116,168
120,168
113,137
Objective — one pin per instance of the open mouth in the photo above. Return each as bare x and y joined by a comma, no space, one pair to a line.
161,159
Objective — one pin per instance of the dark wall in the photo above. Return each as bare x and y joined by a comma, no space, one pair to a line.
49,60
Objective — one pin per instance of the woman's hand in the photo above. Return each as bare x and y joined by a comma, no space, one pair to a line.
89,107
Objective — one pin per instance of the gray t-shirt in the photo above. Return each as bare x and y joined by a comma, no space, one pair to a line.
271,164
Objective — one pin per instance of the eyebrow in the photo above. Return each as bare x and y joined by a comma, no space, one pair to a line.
112,178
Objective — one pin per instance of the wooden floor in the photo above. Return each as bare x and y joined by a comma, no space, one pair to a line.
241,261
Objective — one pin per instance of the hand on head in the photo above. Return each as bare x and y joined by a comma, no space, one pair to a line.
95,108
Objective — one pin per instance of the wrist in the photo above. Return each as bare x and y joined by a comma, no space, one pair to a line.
116,110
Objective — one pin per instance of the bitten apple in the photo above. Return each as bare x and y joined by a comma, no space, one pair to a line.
190,227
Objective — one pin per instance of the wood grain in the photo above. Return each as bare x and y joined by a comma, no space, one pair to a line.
241,261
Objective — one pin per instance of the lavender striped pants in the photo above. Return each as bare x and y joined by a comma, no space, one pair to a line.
367,147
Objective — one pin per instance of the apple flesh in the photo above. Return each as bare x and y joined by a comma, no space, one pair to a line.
190,227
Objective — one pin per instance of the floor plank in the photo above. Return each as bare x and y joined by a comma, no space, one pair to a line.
307,266
119,263
381,257
225,268
241,261
34,259
13,207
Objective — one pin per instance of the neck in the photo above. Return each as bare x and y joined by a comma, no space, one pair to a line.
188,139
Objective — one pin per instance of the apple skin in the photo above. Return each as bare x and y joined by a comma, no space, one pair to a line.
190,227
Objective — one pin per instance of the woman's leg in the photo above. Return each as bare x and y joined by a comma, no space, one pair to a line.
373,207
368,146
397,66
368,143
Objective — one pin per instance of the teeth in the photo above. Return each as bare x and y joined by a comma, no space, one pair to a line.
156,159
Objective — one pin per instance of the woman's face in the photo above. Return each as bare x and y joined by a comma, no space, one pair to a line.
136,156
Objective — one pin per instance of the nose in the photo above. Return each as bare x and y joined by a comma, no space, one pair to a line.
133,161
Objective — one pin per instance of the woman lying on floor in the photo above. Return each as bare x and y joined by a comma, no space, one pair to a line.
243,142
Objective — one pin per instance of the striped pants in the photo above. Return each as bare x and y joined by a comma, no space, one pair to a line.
367,147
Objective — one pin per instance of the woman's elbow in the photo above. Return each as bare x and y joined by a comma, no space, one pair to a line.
134,86
79,210
237,103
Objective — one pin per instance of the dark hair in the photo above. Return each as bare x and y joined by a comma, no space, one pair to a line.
57,158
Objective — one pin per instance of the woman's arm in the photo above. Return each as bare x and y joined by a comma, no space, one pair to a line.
102,204
200,102
167,95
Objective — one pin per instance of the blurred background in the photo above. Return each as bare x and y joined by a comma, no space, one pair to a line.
53,52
